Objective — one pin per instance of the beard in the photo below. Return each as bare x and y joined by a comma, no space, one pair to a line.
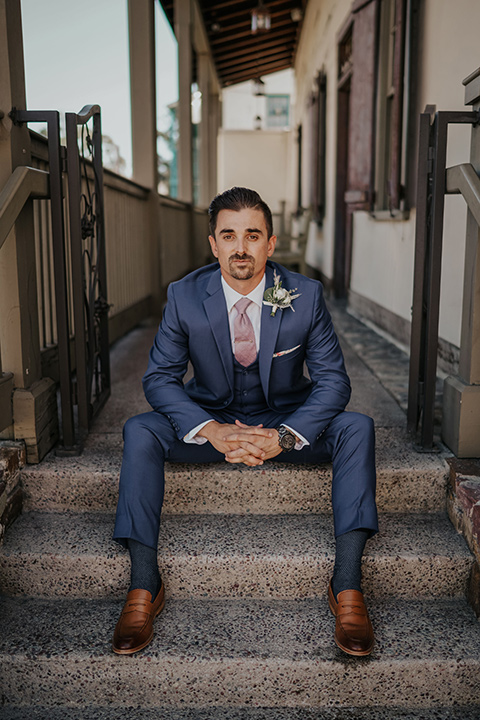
244,272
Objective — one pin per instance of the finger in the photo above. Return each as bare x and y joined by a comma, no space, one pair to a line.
253,449
240,424
246,449
251,433
245,459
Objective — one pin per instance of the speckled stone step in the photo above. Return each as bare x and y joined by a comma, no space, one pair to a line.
283,556
406,481
249,653
262,713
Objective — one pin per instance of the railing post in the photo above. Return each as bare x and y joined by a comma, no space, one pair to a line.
34,397
461,397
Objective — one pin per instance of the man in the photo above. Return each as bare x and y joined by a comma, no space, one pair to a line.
248,402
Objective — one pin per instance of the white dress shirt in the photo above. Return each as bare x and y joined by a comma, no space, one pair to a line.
254,312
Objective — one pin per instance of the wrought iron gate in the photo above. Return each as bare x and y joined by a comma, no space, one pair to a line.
89,386
87,237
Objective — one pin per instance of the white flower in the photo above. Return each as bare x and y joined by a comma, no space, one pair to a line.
278,297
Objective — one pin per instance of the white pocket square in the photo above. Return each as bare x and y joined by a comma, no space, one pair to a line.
285,352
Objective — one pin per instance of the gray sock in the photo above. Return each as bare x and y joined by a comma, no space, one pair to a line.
347,573
144,573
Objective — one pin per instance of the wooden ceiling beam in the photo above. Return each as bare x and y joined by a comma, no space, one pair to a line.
246,14
262,69
234,80
253,47
247,33
254,61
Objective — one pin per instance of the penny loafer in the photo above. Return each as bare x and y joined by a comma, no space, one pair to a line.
353,629
134,630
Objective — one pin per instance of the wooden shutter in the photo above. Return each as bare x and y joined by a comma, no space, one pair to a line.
395,191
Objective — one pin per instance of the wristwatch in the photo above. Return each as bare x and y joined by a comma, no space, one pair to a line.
286,439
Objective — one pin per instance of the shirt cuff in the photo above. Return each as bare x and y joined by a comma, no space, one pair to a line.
302,442
190,437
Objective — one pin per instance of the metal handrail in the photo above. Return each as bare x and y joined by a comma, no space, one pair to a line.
463,180
23,183
431,189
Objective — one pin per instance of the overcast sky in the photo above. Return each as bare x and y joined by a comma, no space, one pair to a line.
76,54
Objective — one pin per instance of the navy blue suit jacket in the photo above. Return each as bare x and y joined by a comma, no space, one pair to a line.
195,327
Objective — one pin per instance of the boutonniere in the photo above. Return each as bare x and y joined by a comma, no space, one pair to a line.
278,297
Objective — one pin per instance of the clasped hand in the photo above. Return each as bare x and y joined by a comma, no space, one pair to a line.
247,444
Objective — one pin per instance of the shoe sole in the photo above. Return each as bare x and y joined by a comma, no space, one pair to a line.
130,651
356,653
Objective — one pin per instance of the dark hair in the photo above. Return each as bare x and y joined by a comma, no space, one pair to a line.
238,198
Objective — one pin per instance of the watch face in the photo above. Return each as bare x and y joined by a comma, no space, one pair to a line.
287,440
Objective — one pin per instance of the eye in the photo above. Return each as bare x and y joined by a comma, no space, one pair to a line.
252,237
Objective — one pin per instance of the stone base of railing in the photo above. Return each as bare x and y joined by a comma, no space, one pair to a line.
12,459
36,418
464,509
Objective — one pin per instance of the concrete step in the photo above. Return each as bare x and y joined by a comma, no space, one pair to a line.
239,654
407,481
279,556
220,713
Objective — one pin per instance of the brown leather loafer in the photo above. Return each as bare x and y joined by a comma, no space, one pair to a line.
134,630
353,629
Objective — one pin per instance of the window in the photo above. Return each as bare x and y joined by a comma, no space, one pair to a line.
390,117
278,111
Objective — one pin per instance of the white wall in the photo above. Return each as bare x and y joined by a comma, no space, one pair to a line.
449,53
256,159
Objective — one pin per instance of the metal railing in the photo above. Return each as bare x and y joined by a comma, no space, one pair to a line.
434,181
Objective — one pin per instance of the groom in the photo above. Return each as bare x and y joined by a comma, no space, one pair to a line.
248,402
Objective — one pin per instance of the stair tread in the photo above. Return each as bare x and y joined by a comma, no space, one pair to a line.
393,450
206,649
286,535
222,555
219,713
406,481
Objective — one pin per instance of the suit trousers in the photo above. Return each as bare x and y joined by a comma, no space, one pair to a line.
150,440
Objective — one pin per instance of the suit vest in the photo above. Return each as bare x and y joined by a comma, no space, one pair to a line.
248,397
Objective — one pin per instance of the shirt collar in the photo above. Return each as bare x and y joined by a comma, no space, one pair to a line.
232,296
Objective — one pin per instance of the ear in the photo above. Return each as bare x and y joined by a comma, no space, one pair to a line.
213,245
271,245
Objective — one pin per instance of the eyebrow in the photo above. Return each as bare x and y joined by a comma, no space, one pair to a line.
247,230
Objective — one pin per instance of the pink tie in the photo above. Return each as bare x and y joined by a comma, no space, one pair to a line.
245,349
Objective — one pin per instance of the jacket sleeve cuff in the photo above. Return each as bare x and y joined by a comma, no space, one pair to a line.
190,436
302,442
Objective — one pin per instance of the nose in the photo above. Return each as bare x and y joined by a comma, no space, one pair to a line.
241,245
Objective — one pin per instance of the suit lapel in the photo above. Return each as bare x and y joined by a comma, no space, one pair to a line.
216,310
268,336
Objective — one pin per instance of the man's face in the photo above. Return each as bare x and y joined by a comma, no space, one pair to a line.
242,246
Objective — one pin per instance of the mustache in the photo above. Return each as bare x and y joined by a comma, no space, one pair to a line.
238,256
